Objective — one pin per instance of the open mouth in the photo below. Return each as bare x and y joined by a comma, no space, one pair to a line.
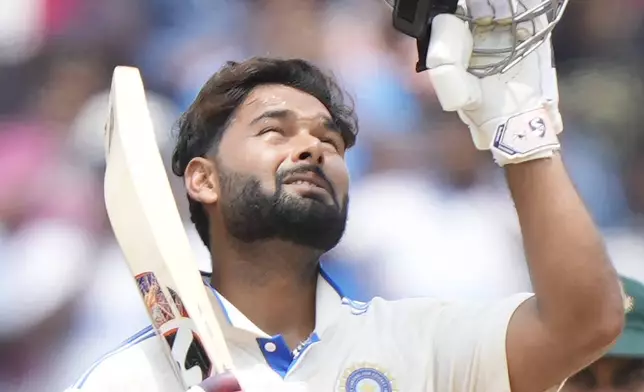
308,180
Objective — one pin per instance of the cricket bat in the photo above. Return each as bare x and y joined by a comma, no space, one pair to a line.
149,230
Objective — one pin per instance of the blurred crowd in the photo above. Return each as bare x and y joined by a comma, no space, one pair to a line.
429,214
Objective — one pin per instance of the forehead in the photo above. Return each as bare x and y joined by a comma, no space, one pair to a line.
279,97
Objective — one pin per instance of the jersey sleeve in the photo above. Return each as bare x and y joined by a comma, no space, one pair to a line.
139,365
463,345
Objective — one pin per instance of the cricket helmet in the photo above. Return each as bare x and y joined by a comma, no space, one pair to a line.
536,17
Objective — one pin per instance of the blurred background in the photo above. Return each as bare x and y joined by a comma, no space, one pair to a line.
430,215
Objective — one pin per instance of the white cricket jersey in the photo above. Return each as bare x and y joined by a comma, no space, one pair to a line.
381,346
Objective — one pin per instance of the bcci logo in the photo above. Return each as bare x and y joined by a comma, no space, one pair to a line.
366,378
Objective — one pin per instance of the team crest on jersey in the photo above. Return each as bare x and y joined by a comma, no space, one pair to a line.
366,377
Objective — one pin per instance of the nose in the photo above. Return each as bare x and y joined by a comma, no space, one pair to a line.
308,148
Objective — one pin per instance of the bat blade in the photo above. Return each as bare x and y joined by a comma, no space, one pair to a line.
149,230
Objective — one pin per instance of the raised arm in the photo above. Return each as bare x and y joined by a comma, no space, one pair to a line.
577,311
578,308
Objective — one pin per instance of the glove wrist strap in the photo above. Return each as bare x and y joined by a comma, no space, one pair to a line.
524,137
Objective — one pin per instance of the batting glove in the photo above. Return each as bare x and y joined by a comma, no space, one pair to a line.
515,115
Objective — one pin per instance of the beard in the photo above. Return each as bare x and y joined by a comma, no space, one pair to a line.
251,214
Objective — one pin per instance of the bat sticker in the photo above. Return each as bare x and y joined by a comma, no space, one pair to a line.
155,300
178,303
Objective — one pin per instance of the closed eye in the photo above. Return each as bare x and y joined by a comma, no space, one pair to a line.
271,129
337,142
331,142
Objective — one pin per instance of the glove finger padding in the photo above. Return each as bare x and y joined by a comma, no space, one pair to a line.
503,11
448,57
481,11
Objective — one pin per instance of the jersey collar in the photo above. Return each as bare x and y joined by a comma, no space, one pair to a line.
329,302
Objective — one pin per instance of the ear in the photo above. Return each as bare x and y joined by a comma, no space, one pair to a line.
201,181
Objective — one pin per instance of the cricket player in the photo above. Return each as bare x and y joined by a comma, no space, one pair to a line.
622,369
262,153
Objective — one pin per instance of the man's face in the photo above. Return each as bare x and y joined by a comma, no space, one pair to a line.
609,374
281,170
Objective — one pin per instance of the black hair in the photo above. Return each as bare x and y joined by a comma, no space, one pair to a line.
202,126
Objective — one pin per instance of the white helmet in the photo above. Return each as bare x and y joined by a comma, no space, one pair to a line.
413,17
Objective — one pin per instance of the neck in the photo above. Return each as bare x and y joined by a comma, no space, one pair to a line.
273,283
